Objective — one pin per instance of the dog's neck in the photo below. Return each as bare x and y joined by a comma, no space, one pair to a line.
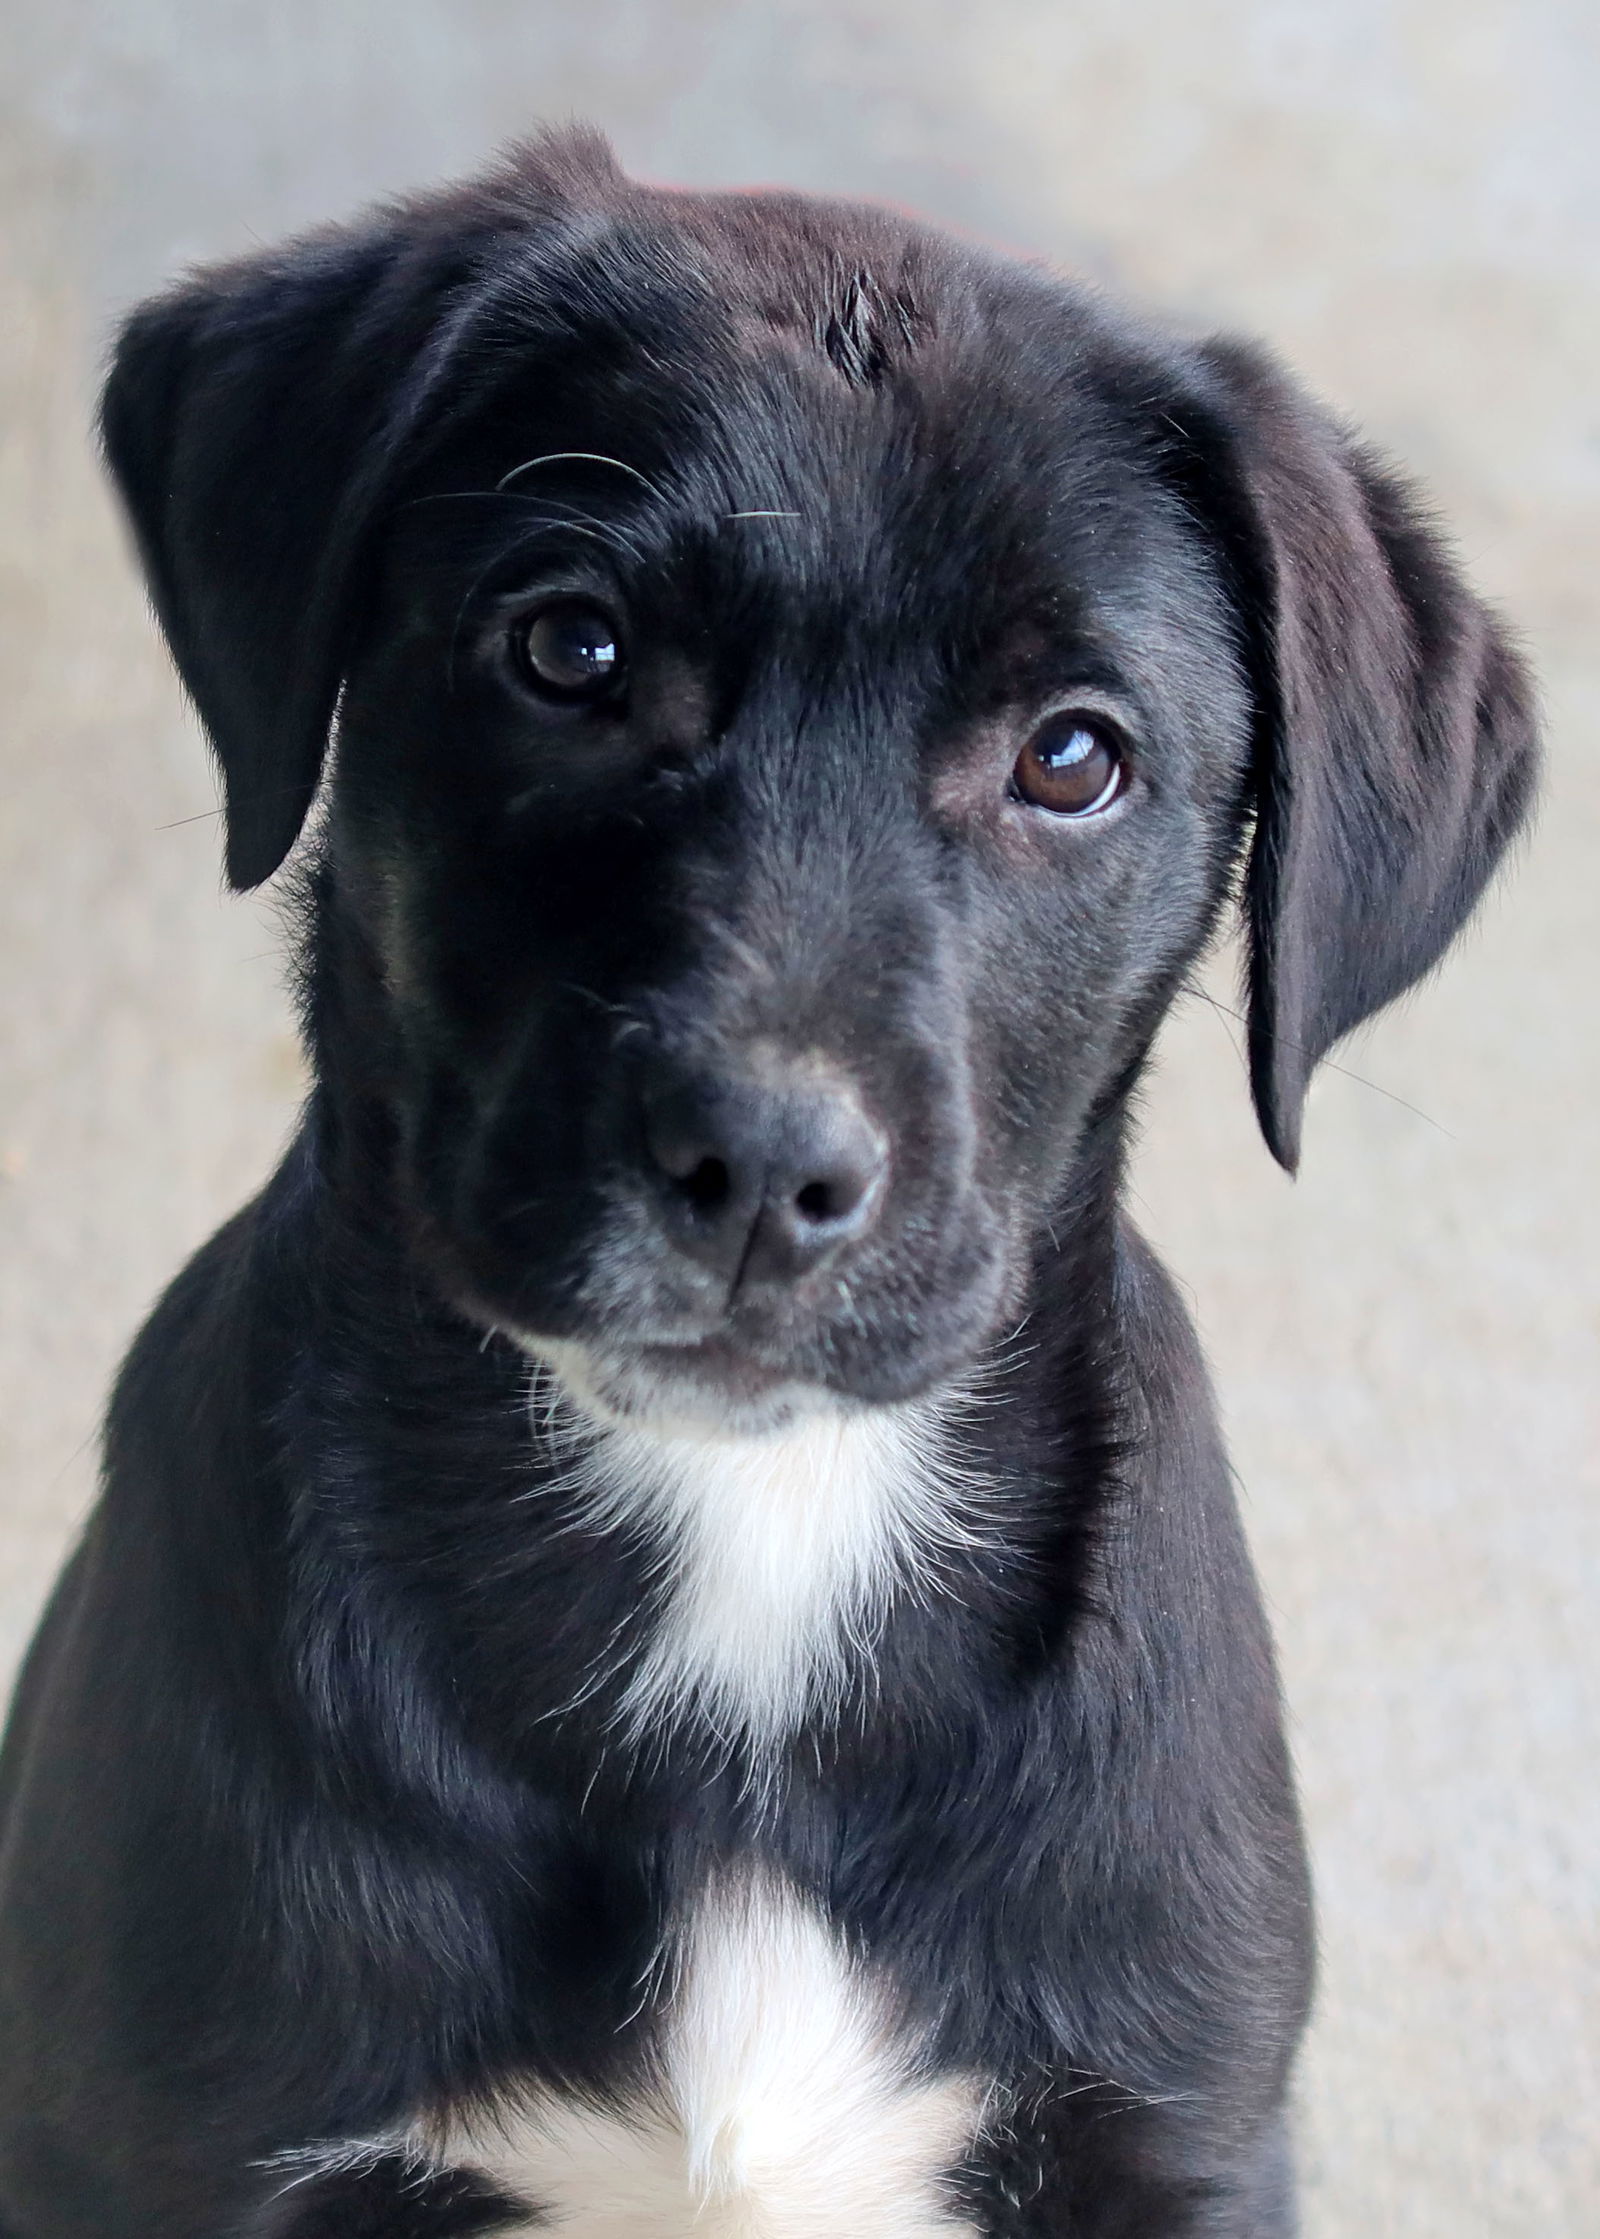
780,1555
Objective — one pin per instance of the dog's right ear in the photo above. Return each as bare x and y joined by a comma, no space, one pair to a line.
253,419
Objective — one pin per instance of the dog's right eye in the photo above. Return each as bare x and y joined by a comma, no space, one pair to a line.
570,650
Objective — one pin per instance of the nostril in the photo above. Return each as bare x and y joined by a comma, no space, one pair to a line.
816,1201
708,1185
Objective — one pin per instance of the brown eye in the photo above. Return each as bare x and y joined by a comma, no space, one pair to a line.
569,650
1071,766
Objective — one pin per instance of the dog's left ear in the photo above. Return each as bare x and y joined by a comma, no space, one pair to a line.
1395,752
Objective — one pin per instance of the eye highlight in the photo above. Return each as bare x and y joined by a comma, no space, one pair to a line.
569,651
1073,766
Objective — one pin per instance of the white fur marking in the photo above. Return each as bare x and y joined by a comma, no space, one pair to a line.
781,1553
785,2107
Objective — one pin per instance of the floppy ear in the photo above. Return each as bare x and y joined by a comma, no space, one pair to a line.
1396,750
253,419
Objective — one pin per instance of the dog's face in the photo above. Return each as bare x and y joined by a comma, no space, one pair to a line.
775,828
803,686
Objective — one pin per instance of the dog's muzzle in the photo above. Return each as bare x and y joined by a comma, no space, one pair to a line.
762,1173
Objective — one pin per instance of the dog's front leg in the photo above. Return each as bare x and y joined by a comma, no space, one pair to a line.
1094,2163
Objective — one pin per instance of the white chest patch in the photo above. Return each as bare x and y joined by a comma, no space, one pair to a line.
787,2105
779,1555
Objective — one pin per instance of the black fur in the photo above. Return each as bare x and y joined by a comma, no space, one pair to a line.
309,1822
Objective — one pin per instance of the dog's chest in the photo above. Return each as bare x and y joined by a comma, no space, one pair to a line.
785,2102
784,2098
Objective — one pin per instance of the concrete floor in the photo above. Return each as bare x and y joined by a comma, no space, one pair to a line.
1405,196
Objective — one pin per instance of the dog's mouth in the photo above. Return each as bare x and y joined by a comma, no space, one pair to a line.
715,1380
713,1388
750,1373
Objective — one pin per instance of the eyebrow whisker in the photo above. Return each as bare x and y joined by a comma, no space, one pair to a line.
597,458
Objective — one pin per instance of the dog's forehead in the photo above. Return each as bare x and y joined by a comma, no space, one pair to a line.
859,283
895,397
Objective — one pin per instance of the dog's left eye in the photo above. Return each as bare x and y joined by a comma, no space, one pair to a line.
570,650
1072,766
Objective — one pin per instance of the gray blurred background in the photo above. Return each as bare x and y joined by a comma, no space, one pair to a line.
1405,197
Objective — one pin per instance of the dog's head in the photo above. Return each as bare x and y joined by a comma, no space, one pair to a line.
801,689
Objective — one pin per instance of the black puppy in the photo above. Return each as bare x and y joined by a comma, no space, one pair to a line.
667,1650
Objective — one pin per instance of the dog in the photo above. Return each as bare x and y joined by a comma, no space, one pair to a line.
667,1647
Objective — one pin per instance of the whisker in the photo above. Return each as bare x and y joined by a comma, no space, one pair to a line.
600,1002
1360,1079
465,497
597,458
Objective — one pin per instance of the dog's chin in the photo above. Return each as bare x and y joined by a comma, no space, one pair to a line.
708,1390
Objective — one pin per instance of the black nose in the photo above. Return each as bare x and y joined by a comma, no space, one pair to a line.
763,1178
